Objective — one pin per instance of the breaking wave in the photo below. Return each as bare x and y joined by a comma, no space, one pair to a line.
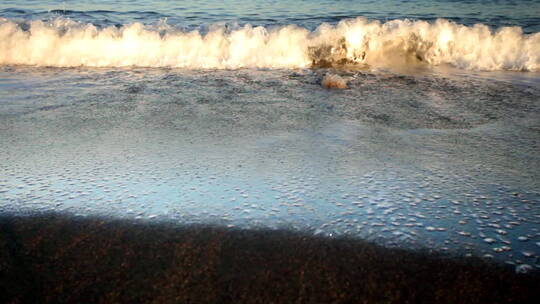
66,43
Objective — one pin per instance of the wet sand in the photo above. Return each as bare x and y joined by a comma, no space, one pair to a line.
53,258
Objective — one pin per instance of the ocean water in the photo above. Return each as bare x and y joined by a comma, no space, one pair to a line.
214,112
478,35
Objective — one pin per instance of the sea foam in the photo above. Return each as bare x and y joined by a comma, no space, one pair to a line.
355,42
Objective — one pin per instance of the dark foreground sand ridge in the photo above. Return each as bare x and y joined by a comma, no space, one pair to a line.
62,259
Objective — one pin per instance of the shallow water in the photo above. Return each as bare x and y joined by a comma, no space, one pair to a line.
412,153
421,160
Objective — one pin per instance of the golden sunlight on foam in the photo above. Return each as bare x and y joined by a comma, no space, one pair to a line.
369,43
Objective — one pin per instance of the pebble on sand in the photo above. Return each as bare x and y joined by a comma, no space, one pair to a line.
332,81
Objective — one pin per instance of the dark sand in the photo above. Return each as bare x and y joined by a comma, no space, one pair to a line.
62,259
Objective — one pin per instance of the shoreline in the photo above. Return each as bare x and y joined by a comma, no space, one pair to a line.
57,258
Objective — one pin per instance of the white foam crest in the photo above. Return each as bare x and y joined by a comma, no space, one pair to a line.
64,43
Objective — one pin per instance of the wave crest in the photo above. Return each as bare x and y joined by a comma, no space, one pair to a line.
65,43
